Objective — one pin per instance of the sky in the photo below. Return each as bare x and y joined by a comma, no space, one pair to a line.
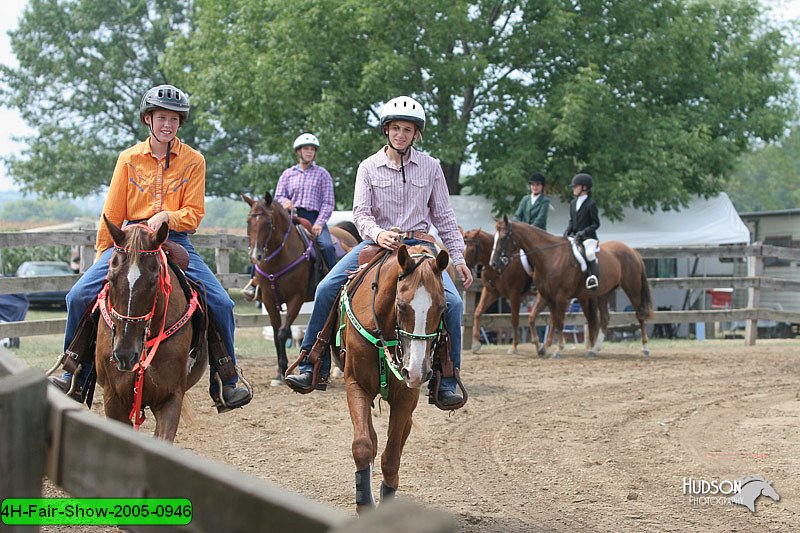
12,125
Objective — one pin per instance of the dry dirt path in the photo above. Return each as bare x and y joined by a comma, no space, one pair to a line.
551,445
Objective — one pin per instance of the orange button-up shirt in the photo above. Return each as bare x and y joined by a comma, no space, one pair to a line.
141,187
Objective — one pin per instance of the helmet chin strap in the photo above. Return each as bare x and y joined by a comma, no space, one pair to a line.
169,143
402,153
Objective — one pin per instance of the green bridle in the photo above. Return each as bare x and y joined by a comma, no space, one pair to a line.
376,338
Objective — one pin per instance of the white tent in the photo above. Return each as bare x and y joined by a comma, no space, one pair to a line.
712,221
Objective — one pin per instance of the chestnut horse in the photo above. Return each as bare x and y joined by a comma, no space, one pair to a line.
140,341
558,279
397,301
512,283
281,253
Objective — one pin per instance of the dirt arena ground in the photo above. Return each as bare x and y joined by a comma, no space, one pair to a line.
551,445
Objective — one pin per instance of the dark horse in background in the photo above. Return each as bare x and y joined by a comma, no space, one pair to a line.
512,283
140,303
392,330
558,279
280,249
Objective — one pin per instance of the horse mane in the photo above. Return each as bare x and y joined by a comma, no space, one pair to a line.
135,242
552,239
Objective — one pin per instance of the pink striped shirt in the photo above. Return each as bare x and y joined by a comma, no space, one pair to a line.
381,199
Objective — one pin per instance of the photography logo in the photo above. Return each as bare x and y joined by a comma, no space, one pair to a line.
744,491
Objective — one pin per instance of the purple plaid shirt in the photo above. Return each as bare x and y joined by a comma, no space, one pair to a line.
381,199
311,189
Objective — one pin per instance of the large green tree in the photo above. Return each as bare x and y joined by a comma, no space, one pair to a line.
656,100
83,67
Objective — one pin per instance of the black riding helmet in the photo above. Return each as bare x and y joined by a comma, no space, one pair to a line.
537,177
164,97
582,179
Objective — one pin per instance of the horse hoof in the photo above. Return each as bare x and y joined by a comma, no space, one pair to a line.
646,352
276,383
476,348
512,351
556,355
591,354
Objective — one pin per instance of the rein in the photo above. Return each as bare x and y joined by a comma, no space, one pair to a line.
509,235
109,314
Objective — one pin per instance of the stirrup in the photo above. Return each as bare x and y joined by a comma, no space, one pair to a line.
591,282
433,394
219,401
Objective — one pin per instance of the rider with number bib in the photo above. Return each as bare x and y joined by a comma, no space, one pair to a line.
397,187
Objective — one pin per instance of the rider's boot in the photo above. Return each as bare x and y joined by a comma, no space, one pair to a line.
591,280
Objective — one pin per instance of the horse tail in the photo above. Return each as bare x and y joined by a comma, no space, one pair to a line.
350,228
645,310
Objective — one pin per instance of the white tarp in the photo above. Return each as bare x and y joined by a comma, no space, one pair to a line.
712,221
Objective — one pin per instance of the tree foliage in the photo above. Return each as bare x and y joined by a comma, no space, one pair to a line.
83,67
656,100
768,178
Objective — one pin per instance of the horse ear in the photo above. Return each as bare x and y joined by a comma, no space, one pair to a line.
162,233
268,198
505,219
403,259
117,234
442,260
247,199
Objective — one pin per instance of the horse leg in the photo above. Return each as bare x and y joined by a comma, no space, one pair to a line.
114,406
541,350
589,306
645,338
488,297
557,313
167,416
364,444
280,345
403,404
514,301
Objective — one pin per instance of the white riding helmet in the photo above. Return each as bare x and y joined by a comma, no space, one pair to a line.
403,108
306,139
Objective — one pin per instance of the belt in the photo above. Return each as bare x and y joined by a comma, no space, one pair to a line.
417,235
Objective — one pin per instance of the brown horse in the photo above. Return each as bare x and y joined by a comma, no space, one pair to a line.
281,253
513,284
138,305
399,304
558,279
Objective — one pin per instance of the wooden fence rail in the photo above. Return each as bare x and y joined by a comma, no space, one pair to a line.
223,244
44,432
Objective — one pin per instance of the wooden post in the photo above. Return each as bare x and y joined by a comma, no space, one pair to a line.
23,424
87,257
467,318
755,265
222,258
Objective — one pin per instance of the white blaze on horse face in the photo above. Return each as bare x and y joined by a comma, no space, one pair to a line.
421,303
254,247
133,276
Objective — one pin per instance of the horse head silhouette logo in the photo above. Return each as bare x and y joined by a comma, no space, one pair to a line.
752,488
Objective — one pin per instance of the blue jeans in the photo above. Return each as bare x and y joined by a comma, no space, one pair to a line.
329,288
324,239
218,302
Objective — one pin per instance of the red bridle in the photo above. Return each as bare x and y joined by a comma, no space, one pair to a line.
151,345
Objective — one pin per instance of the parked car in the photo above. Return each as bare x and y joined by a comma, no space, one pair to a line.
30,269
